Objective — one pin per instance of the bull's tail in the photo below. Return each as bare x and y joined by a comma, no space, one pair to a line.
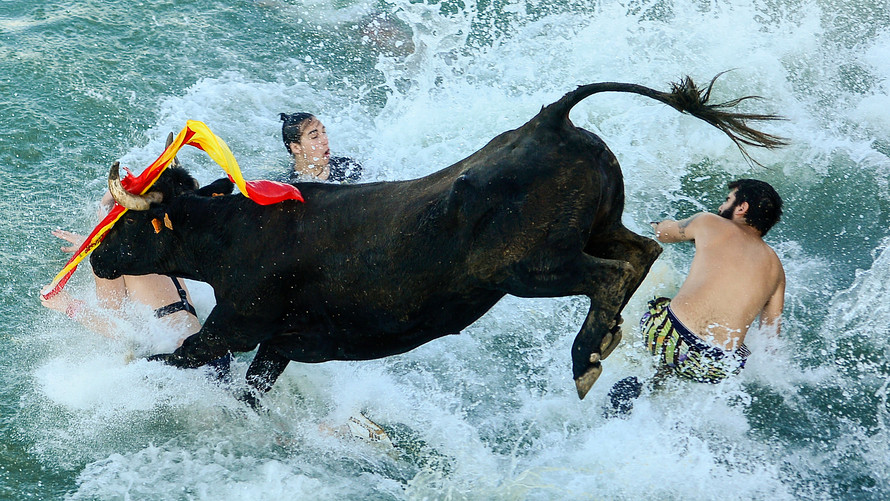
686,98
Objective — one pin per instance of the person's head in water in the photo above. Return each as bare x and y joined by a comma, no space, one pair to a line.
764,205
306,139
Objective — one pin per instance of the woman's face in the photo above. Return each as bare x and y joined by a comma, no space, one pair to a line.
313,146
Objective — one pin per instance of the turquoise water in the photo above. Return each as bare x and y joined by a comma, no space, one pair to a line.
492,413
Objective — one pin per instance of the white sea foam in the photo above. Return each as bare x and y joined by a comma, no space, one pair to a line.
492,413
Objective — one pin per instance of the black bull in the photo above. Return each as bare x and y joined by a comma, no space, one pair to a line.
371,270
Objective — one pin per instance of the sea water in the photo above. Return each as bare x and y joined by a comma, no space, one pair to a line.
409,87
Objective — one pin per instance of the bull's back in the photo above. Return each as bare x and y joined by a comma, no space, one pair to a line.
351,253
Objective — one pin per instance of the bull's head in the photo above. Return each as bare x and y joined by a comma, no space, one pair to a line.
141,242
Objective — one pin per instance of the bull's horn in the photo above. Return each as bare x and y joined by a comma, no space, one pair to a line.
175,162
125,198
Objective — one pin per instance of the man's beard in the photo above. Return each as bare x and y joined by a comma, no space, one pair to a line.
728,212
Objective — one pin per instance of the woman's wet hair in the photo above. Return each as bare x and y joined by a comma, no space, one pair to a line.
292,128
764,203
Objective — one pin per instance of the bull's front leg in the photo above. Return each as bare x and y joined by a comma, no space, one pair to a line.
267,366
222,332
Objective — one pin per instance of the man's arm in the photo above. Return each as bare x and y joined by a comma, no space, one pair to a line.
771,316
669,231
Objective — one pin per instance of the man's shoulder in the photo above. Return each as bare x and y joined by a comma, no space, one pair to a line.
712,222
708,227
702,220
707,218
774,256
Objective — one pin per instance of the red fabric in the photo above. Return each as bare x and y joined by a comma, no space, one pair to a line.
266,192
260,191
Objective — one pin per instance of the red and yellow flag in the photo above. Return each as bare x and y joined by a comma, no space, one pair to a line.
195,134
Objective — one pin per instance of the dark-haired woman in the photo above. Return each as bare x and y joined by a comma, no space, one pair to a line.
306,140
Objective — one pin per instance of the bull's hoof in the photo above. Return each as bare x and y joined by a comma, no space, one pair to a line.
610,342
251,398
586,380
162,357
175,361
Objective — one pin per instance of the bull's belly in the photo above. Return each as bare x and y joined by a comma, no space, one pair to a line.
314,349
366,337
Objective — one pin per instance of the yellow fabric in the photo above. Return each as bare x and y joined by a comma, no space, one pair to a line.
195,134
215,147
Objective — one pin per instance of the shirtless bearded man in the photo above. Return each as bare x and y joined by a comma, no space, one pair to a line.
735,277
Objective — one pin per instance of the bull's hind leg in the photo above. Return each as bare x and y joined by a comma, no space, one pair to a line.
605,282
639,251
593,344
599,335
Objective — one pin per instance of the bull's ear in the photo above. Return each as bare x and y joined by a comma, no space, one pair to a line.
156,223
464,195
219,187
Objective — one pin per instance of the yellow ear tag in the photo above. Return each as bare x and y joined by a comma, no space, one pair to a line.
167,222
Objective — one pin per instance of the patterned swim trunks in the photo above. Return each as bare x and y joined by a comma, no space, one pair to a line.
686,354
